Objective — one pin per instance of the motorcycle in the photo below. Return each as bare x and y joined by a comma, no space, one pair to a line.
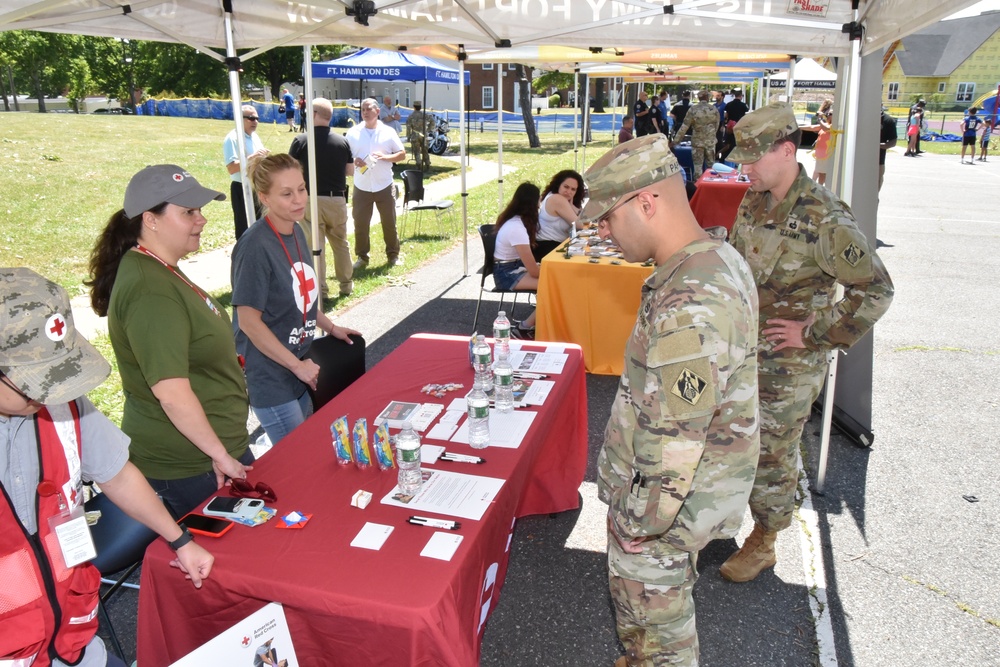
437,139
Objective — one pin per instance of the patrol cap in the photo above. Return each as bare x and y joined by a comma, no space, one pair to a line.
627,167
759,130
165,183
40,349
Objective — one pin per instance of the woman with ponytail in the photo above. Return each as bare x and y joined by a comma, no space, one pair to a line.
185,396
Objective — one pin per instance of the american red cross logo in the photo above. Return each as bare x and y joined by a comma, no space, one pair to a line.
246,641
304,285
178,177
55,327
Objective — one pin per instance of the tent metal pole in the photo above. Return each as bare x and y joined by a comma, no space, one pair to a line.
499,106
850,137
462,153
790,84
586,122
614,108
576,111
234,91
317,243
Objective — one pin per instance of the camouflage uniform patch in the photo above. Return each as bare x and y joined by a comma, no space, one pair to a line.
853,254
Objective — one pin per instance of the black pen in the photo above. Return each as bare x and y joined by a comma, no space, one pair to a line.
434,523
461,458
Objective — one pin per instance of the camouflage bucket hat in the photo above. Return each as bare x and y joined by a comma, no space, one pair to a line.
628,167
757,131
40,349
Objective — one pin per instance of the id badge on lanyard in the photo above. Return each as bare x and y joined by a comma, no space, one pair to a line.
70,528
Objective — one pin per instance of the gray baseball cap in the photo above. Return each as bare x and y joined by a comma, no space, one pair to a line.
40,349
759,130
165,183
631,166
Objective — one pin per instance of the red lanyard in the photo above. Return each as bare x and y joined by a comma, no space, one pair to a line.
197,290
300,274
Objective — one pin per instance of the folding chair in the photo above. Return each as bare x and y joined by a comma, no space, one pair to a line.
121,543
339,364
489,239
413,200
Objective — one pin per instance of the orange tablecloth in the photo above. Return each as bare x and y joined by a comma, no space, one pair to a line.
592,305
717,199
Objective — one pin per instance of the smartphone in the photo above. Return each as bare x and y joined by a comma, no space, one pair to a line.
245,508
199,524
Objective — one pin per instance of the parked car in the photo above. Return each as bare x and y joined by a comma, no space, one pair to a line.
118,111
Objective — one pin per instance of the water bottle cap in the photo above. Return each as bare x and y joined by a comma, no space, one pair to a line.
502,313
407,426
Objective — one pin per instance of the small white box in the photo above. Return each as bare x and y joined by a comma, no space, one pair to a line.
361,499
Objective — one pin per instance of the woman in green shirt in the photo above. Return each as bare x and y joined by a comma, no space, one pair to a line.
185,395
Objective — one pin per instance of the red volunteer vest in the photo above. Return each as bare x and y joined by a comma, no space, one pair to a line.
46,610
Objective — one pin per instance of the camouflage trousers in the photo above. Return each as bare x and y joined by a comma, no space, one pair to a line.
700,155
655,622
785,403
419,147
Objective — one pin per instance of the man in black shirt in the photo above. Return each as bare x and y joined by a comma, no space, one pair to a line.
887,139
736,108
333,165
643,117
679,110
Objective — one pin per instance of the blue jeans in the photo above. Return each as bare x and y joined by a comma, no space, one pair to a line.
185,494
280,420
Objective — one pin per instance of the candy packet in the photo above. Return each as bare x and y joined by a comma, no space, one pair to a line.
341,435
362,455
383,448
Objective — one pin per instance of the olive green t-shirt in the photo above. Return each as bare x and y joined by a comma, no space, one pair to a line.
161,328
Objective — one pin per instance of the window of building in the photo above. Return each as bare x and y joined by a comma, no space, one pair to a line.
966,91
893,93
488,66
487,97
942,86
406,97
511,66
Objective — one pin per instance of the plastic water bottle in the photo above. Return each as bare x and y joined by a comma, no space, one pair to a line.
482,356
501,334
408,457
479,418
503,386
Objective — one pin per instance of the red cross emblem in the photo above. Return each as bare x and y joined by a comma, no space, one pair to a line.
55,327
178,177
245,642
306,287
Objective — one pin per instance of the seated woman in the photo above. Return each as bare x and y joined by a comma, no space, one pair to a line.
276,299
185,395
514,266
559,212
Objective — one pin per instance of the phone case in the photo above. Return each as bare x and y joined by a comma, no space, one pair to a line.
233,508
187,521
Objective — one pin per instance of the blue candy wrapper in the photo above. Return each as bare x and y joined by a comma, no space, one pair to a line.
383,449
341,435
362,456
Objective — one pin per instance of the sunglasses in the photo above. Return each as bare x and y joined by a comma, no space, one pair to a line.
240,488
252,119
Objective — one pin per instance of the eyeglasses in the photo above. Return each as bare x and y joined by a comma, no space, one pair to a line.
240,488
252,119
7,381
603,220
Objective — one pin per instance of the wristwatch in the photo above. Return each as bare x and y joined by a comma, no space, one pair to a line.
185,537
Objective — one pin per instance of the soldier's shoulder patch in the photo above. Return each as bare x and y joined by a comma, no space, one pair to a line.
689,386
853,254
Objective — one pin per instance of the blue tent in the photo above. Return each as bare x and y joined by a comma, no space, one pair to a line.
378,65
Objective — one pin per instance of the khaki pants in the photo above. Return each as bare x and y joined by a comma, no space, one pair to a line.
332,228
362,212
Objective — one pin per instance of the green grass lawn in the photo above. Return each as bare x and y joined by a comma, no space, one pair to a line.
63,175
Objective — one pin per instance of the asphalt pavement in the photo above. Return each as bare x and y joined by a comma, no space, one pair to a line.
901,550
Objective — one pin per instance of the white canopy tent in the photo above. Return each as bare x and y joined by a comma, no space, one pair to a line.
847,29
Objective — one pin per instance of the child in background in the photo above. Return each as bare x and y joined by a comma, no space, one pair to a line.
984,143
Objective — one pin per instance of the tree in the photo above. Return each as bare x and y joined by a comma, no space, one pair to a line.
179,69
276,66
552,81
525,101
599,95
35,58
80,83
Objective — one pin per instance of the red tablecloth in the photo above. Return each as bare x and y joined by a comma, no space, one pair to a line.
717,199
351,606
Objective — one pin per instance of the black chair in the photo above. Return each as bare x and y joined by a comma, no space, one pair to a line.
413,200
339,364
121,543
489,239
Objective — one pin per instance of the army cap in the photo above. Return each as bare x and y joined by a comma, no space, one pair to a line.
628,167
40,349
759,130
165,183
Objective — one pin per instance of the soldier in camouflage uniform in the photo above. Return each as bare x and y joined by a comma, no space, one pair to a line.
681,445
417,129
800,242
703,119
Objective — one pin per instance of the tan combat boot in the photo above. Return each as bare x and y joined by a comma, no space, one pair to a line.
755,556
